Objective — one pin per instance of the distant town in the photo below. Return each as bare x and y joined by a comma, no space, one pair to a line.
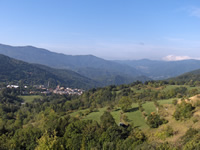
44,90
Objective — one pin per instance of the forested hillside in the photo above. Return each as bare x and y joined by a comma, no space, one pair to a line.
13,71
87,65
150,115
191,77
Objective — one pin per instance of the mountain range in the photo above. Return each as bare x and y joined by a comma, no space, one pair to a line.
13,71
159,70
100,70
103,72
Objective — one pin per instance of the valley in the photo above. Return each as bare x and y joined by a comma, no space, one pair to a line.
96,107
99,75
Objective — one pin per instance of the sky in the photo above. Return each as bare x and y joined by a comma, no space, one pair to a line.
110,29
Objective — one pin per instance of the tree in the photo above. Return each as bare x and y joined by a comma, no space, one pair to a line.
125,103
107,120
140,107
47,142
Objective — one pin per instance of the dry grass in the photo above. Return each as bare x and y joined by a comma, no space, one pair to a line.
167,112
179,127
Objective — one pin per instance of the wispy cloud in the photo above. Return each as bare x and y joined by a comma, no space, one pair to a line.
191,11
195,12
177,58
172,39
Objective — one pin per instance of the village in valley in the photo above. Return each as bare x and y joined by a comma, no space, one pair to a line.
45,90
67,91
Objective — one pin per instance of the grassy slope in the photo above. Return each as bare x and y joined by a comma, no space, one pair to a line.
30,98
134,116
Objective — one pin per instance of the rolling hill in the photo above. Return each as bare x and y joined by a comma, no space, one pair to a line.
12,70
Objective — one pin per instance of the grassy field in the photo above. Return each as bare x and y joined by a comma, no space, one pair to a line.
30,98
134,115
95,115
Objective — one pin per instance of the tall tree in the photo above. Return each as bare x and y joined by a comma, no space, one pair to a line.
125,103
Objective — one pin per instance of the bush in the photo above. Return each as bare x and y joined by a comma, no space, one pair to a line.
174,102
154,120
183,111
189,135
197,103
166,132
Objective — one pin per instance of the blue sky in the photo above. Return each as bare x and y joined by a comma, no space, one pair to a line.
111,29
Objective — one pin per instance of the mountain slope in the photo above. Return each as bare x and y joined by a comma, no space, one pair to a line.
86,65
12,70
163,69
189,76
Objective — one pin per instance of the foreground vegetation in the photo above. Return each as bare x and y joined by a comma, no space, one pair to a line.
153,115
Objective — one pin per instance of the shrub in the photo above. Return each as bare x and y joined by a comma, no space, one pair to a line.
183,111
191,132
166,132
154,120
174,102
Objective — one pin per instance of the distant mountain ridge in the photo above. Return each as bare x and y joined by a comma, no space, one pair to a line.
104,71
13,71
159,70
107,72
42,56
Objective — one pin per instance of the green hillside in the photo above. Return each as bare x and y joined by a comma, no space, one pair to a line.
192,77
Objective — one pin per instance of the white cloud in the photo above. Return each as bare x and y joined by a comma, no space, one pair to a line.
176,58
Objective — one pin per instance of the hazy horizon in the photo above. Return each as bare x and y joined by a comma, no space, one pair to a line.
113,30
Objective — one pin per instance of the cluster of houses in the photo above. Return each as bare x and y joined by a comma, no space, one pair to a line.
68,91
13,86
58,90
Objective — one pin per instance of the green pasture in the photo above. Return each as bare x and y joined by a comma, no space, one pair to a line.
30,98
134,115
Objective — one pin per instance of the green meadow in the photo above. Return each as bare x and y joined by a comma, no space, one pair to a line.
134,115
30,98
